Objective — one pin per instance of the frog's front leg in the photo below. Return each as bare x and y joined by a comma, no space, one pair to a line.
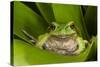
81,45
41,40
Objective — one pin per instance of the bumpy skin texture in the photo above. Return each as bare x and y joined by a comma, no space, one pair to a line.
61,44
62,40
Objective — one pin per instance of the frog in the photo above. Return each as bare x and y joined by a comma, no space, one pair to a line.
63,39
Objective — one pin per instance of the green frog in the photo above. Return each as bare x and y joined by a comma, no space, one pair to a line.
63,39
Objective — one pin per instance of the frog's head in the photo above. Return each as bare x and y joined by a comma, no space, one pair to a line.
63,29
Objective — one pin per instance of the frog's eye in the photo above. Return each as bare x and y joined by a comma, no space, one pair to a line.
51,27
72,26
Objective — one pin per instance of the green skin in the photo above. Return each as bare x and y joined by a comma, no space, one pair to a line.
62,29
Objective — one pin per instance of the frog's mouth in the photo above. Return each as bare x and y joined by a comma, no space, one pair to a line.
61,44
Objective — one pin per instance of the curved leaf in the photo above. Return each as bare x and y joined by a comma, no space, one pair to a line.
91,20
25,18
84,9
46,11
93,52
25,54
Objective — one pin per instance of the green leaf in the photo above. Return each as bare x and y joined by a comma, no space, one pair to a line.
93,52
25,54
84,9
65,13
91,20
46,11
25,18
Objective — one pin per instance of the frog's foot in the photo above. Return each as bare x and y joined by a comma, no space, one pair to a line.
86,43
32,39
34,42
